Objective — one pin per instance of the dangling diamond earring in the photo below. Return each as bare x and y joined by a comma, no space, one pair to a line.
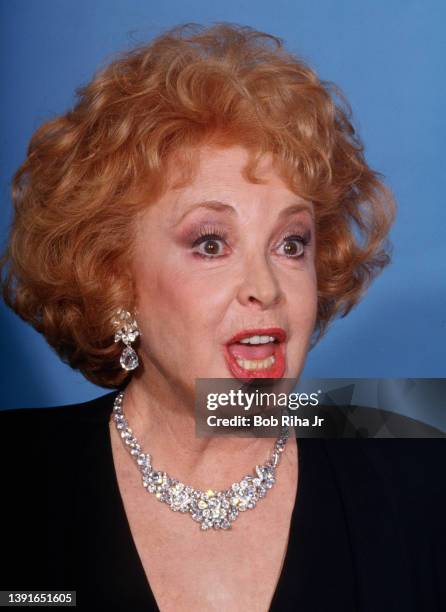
127,331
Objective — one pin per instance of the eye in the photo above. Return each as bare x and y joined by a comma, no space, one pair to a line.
209,245
293,246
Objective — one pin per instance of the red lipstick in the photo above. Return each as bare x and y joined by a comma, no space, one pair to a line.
237,354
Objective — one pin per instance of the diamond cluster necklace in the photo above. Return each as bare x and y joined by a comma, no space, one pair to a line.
211,509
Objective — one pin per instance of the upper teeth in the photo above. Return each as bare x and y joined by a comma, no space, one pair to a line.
257,340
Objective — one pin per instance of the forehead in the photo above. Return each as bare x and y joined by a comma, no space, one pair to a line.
232,174
192,166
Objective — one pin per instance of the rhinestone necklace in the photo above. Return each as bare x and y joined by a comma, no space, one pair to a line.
211,509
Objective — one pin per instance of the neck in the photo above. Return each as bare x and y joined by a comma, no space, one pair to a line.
164,424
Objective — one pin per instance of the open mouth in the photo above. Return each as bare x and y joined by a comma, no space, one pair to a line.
258,353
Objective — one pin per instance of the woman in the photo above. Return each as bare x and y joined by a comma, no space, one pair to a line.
204,211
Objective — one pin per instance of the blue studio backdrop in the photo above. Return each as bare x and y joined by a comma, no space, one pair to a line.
388,58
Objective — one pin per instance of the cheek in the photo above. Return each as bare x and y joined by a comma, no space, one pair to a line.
179,303
302,300
163,307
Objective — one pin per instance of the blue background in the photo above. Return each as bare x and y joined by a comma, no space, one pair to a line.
387,56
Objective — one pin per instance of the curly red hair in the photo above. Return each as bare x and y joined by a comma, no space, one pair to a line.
89,171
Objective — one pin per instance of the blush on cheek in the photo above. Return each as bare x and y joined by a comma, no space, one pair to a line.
170,307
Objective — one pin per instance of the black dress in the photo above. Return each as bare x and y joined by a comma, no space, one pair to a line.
368,530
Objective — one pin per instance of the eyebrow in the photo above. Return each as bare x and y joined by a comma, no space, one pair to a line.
295,208
218,206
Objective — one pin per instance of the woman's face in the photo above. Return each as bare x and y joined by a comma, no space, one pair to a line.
225,275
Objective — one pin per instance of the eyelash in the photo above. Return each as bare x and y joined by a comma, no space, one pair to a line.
205,234
304,240
213,233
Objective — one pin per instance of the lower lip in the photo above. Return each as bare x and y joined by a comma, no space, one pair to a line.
277,370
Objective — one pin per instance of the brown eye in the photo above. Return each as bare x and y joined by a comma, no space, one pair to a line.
293,246
209,245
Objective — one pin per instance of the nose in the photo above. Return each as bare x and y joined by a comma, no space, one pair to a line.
260,286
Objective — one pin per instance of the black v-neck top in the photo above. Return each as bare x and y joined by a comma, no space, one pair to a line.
368,529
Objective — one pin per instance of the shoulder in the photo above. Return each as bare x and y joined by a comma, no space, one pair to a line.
44,433
46,456
405,476
40,437
94,410
412,470
50,447
394,495
415,463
